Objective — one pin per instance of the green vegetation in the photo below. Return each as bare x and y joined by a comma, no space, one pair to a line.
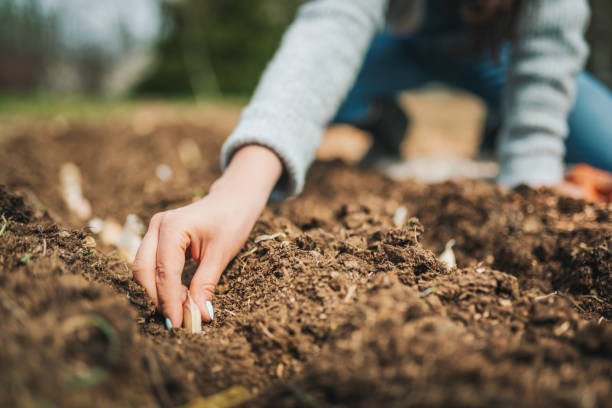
86,107
217,47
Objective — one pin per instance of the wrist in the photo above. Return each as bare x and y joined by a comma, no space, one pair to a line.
252,173
533,170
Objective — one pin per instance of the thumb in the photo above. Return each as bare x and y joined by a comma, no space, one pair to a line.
204,282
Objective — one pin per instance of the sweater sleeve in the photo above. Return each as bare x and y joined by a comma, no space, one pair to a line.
302,87
540,92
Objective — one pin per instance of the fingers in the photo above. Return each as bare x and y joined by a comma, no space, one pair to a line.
144,263
597,181
172,243
205,280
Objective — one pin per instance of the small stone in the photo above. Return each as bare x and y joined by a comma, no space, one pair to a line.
505,302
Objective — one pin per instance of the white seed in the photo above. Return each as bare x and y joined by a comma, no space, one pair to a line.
131,237
164,172
72,191
189,153
399,218
111,232
448,256
192,319
96,225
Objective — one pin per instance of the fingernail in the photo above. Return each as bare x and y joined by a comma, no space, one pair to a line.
211,312
168,323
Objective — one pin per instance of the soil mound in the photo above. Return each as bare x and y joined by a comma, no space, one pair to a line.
344,308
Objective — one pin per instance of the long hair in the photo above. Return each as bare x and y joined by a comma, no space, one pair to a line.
492,22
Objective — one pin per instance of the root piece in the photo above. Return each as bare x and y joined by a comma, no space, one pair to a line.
192,319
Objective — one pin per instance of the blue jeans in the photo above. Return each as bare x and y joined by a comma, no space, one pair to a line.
394,64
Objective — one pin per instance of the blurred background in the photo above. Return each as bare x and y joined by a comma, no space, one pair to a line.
141,47
65,58
166,48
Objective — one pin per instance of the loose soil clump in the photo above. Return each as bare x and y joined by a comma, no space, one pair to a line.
343,309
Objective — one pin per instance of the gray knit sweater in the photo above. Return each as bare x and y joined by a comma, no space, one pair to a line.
322,52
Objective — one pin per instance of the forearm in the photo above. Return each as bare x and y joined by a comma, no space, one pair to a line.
305,82
540,92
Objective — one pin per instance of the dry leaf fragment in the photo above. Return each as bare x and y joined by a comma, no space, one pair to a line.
111,232
192,319
448,256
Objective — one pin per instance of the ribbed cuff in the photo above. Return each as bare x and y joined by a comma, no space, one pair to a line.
533,170
285,142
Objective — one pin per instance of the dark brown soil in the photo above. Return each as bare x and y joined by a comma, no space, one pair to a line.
346,310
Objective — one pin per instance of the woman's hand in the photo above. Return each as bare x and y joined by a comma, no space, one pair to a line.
211,231
588,183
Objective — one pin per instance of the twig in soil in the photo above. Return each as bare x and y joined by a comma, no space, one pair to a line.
596,298
544,297
4,224
349,293
427,292
573,302
44,246
265,331
250,252
157,381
